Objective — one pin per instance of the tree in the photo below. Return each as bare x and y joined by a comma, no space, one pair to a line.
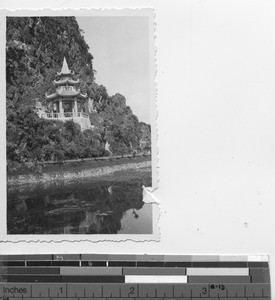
35,49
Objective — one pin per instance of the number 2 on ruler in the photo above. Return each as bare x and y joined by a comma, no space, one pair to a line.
132,291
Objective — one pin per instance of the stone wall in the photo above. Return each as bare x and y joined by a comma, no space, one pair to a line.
48,178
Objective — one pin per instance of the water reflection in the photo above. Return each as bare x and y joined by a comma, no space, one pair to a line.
82,208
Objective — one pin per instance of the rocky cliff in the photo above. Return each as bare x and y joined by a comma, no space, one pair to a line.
35,48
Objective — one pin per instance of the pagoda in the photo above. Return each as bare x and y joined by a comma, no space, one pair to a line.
67,102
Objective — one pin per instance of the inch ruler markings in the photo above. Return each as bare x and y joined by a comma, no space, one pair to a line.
97,276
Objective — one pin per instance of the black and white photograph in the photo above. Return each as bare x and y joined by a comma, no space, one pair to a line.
79,97
143,132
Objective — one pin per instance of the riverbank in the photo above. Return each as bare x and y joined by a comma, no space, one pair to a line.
95,170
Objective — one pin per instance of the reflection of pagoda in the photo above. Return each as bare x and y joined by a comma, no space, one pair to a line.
67,102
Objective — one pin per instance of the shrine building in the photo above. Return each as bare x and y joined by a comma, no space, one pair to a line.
67,102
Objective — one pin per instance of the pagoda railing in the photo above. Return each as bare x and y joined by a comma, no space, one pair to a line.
66,115
84,115
52,115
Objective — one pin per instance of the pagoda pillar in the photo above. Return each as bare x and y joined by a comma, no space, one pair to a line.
75,108
61,111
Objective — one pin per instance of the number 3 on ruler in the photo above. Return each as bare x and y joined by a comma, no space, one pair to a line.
204,290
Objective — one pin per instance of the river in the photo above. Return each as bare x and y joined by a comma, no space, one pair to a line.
82,207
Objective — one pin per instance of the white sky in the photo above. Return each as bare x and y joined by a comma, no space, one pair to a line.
120,46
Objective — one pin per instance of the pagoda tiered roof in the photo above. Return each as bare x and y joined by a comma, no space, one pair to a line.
64,91
65,69
66,85
66,80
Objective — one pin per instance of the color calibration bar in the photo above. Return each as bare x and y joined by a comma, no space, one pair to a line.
133,276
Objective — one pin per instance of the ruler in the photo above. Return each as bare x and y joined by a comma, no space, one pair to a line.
98,276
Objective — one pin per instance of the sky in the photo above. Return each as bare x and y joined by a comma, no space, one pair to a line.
120,47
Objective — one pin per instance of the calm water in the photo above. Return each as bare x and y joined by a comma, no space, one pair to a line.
81,208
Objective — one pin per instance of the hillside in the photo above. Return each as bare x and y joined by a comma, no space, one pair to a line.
35,50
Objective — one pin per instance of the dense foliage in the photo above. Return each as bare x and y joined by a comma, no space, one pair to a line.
35,50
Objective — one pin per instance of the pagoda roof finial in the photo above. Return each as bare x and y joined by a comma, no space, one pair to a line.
65,69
